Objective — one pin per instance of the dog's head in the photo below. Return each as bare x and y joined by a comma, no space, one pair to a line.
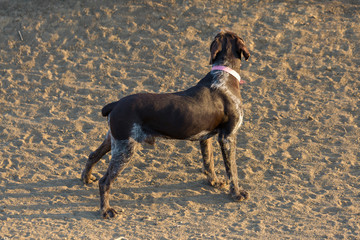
227,47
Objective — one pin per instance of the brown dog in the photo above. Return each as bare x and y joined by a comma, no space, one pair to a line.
212,107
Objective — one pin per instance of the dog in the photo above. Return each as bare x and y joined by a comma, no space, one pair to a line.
211,107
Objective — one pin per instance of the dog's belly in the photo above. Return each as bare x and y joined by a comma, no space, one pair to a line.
203,135
173,131
147,135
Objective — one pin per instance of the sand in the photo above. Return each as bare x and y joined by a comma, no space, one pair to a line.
297,152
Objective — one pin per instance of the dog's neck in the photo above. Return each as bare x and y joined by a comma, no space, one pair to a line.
229,70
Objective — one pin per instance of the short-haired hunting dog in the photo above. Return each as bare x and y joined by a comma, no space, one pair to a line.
212,107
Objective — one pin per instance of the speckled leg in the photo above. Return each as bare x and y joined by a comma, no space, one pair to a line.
228,144
122,152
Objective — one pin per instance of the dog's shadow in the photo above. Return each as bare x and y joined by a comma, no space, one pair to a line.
71,199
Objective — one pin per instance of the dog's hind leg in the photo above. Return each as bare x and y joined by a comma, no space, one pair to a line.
122,152
94,157
228,145
208,160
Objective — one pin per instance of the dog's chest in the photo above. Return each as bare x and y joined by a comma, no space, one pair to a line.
232,102
235,109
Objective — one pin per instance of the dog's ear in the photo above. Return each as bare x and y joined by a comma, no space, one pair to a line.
215,48
242,49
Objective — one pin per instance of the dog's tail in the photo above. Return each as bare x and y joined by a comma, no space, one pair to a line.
106,110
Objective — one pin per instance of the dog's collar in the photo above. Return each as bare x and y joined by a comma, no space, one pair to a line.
230,71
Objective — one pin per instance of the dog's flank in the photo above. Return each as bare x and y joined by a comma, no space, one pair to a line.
211,107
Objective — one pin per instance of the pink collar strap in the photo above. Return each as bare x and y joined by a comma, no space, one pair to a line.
230,71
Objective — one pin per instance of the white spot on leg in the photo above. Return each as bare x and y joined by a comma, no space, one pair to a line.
121,153
138,134
118,147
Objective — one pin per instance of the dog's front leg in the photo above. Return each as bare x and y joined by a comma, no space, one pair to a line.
208,160
228,145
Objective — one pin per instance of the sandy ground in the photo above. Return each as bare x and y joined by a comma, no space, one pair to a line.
297,153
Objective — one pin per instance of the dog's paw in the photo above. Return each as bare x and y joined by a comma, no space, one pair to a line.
91,179
218,184
87,178
109,213
241,196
